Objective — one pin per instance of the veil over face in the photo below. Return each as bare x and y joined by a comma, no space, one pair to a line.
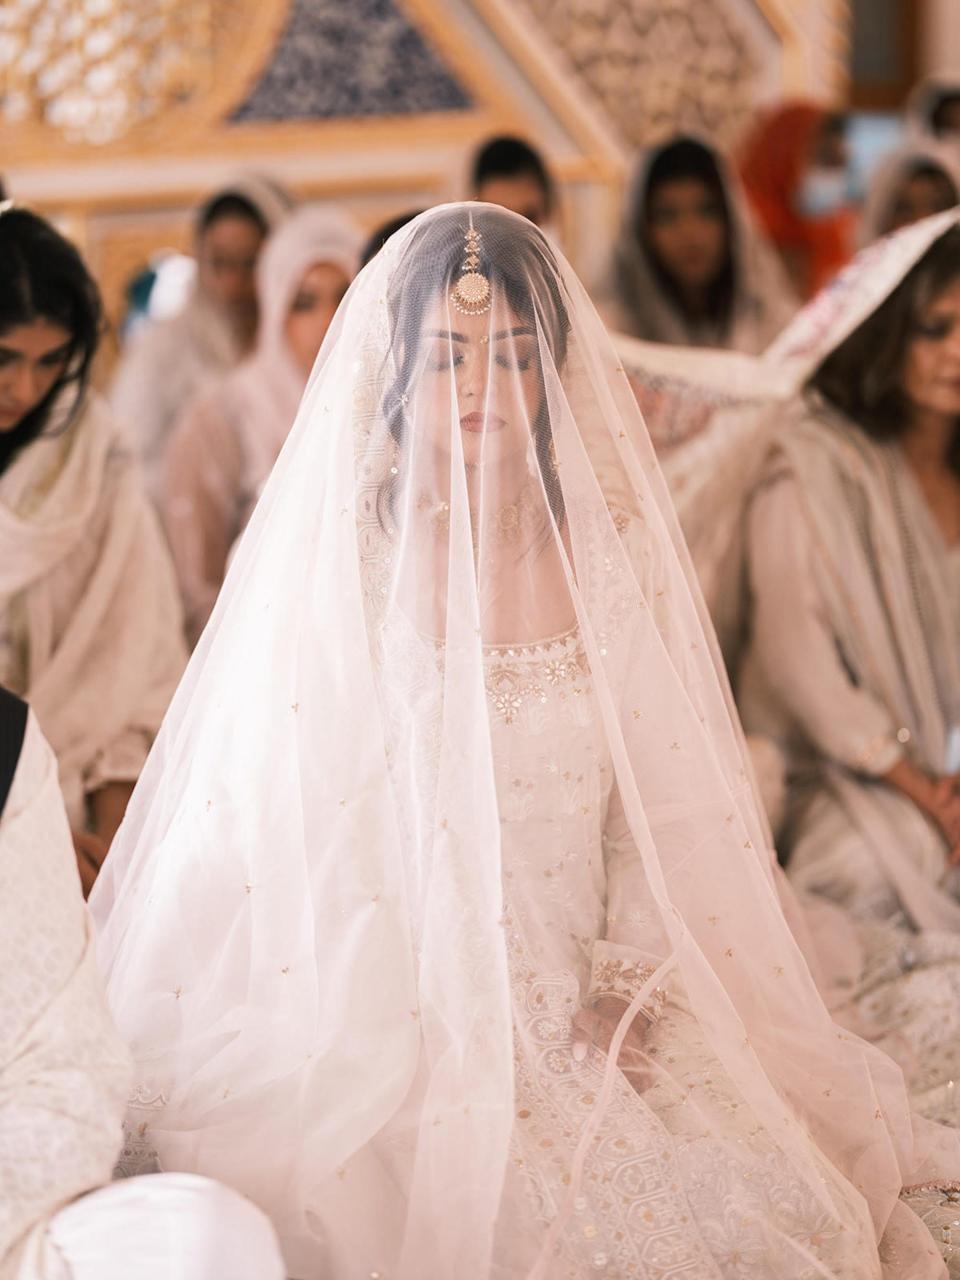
336,993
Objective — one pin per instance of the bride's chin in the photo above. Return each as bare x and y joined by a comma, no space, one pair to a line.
496,450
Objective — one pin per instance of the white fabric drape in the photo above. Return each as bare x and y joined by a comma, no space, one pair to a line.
64,1073
172,1226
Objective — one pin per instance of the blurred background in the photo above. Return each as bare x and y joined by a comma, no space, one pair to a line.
117,117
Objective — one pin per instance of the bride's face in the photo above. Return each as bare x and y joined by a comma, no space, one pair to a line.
480,375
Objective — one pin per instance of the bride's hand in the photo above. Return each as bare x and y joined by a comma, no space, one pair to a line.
597,1024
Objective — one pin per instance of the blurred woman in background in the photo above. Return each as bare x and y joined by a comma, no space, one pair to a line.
89,616
689,267
167,361
229,436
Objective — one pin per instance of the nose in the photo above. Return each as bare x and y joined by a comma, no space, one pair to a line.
24,386
952,343
473,375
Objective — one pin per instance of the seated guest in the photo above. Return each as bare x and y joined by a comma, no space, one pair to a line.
230,435
64,1077
853,661
167,361
689,267
509,172
794,168
89,615
917,181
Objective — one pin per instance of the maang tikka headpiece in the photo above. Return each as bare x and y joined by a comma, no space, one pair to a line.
472,295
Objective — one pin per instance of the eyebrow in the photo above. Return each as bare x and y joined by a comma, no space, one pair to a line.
497,337
63,350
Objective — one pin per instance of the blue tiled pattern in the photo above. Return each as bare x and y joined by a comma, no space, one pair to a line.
341,58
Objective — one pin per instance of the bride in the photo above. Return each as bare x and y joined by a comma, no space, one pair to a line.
443,923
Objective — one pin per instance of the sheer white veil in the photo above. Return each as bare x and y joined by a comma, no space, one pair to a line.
303,917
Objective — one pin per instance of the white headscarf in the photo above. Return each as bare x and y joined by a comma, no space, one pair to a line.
893,171
262,396
763,301
310,919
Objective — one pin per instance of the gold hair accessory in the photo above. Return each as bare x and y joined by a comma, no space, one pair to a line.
472,295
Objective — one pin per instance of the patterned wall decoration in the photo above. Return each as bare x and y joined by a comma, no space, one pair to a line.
657,65
94,71
362,58
117,116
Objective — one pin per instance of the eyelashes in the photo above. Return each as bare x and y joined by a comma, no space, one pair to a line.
52,361
437,364
934,330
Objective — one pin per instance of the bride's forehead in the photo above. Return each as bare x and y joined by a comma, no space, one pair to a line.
442,316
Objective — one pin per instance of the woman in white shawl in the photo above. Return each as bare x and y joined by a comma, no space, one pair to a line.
229,436
443,922
857,517
64,1076
917,181
690,267
168,361
819,493
89,616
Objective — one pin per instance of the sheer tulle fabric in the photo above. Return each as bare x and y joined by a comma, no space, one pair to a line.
323,938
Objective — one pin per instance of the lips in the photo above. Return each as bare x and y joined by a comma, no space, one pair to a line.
478,422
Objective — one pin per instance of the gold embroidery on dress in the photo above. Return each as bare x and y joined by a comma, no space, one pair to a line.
515,678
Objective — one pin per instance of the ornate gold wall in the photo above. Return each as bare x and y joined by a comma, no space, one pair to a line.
117,116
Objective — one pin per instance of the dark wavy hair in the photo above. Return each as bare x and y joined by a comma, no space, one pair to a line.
43,277
863,376
519,263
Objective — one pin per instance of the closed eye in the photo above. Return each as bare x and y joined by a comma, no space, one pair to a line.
522,363
936,328
54,358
